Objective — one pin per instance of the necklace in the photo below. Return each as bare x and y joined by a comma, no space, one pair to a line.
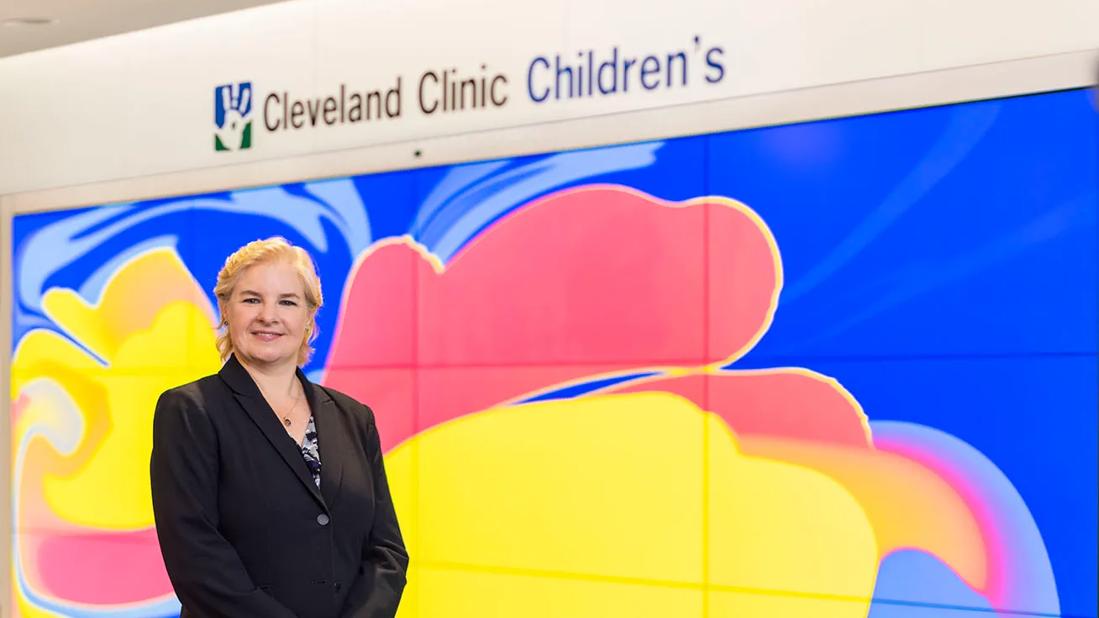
286,420
286,417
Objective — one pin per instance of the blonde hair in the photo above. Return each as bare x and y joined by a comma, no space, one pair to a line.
271,249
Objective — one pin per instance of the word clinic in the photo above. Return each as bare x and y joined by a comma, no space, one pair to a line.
442,91
446,91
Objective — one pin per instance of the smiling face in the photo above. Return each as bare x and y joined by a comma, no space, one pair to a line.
268,315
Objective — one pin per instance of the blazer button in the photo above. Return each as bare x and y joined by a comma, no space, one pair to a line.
322,519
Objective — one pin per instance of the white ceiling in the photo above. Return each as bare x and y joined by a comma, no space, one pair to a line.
81,20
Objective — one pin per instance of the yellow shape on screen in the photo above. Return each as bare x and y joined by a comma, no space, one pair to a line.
635,502
134,297
152,330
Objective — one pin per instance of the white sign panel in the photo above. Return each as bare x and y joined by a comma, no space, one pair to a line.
305,77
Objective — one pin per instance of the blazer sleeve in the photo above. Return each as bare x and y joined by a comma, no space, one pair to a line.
376,591
206,572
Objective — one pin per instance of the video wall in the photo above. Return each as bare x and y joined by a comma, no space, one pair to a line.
844,368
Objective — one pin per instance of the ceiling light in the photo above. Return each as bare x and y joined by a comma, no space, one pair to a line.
29,21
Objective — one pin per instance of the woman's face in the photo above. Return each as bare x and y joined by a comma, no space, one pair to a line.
267,315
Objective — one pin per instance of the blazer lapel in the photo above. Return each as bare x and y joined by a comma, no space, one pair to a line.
250,398
332,438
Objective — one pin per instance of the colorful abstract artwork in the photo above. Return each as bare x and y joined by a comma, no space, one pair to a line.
845,368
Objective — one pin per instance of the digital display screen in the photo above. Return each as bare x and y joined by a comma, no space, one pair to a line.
838,368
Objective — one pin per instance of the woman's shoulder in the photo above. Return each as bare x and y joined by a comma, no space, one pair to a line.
354,407
192,395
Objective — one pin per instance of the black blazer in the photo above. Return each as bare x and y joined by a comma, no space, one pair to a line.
243,529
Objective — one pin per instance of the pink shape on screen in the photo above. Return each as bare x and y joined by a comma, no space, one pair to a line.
583,282
18,406
102,568
787,403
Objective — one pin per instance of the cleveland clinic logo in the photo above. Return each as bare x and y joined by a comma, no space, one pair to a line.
233,116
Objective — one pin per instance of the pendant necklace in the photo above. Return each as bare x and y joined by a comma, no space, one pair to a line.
286,418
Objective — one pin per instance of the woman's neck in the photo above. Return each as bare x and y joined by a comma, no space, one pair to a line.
273,381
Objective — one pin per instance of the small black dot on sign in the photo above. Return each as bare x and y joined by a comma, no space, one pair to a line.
417,152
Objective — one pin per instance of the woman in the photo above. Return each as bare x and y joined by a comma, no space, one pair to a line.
269,491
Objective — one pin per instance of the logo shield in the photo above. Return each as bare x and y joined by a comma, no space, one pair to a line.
233,116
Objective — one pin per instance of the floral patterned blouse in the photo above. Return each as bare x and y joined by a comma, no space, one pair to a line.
310,451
